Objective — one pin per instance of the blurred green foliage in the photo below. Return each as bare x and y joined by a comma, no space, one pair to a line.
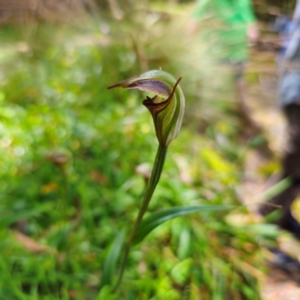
69,151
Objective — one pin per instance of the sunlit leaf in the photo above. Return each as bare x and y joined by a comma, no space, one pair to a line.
181,271
276,189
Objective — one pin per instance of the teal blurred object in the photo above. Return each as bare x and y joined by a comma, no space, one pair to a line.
225,25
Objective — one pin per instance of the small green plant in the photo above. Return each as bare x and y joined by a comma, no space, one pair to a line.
167,109
167,116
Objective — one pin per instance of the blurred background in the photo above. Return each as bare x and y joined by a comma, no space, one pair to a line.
75,156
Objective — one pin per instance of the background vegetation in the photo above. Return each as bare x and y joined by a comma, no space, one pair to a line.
74,160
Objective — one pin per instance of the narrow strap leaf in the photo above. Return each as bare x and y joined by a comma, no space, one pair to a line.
110,263
162,216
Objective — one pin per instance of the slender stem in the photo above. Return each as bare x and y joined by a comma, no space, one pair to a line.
155,175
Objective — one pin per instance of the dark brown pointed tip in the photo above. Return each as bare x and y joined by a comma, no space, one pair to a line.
123,83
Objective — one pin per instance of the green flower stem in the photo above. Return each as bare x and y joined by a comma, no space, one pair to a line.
155,175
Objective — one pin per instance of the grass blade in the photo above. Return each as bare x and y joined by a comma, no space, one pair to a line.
15,216
162,216
112,258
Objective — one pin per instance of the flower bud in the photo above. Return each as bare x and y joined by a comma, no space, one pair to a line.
166,107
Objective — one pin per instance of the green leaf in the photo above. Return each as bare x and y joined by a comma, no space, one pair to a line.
112,258
106,293
181,271
13,217
276,189
167,214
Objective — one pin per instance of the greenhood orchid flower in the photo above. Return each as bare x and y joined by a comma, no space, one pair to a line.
166,107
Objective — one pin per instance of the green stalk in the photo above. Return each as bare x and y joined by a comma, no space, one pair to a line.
155,175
